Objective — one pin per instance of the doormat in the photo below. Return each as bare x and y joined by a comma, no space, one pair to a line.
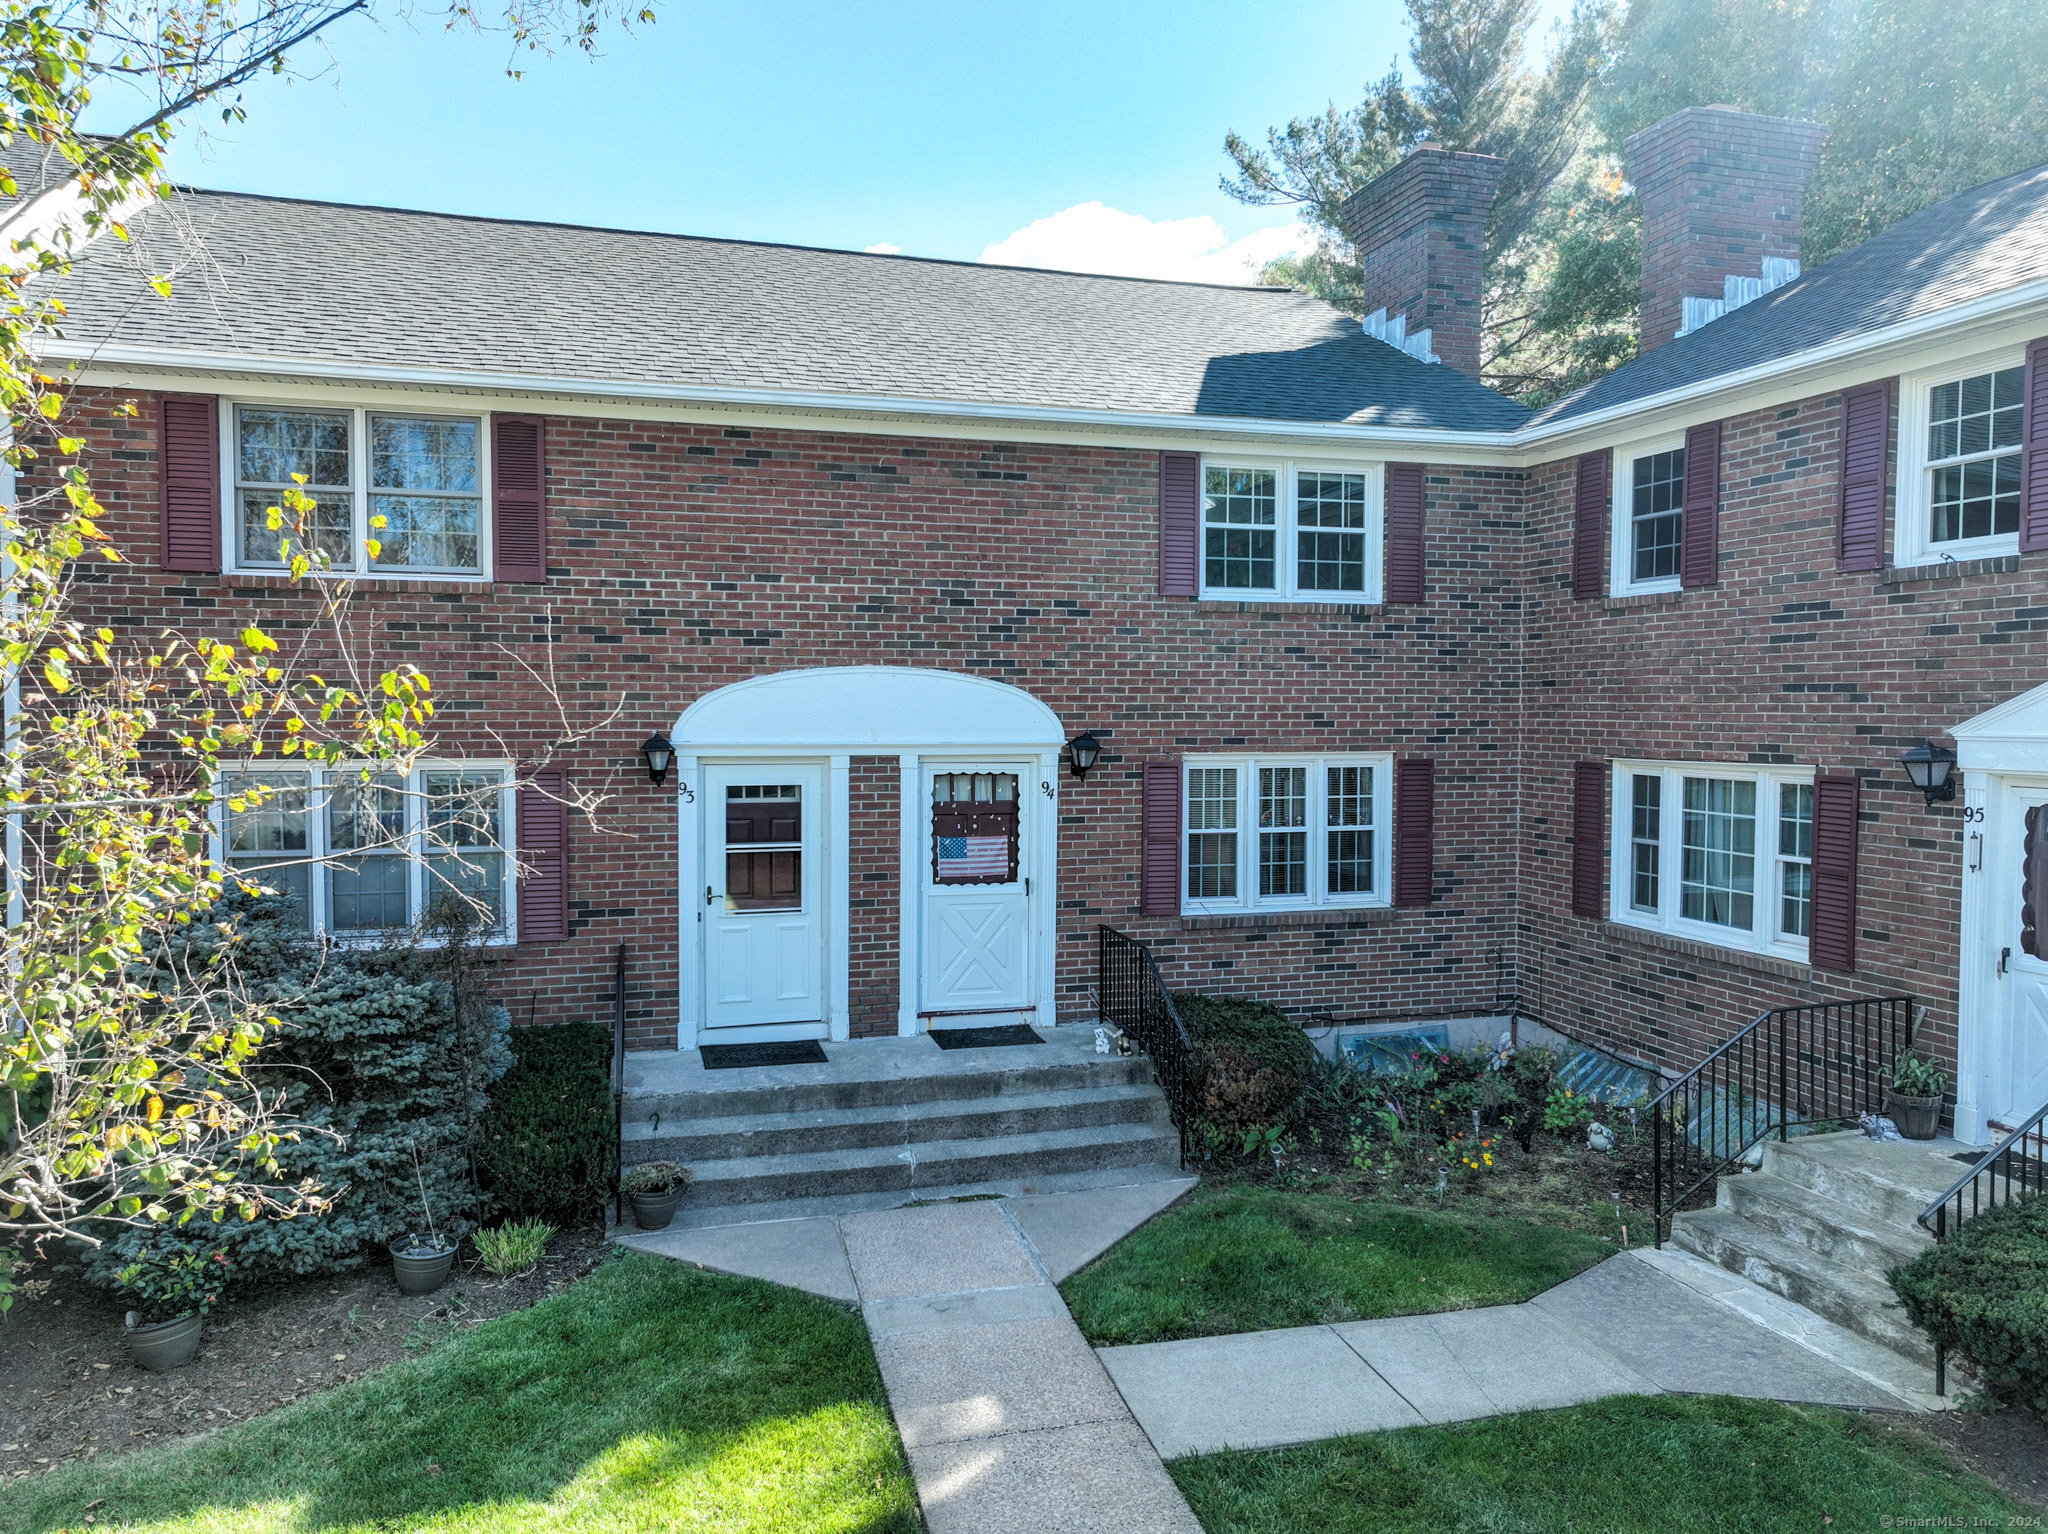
985,1038
732,1057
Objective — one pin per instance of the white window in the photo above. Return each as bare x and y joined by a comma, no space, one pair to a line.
368,856
411,483
1721,854
1959,470
1286,832
1291,531
1649,517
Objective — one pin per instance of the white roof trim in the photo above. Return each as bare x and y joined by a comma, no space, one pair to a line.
2011,737
864,708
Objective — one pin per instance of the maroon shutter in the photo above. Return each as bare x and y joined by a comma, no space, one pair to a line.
1589,838
1831,944
188,469
2034,452
1404,532
2034,882
1180,524
1866,445
519,511
543,842
1414,831
1591,499
1159,836
1699,548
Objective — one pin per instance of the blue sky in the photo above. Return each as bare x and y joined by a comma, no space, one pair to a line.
941,129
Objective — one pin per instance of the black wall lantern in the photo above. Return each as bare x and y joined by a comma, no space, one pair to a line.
1083,749
1929,765
659,756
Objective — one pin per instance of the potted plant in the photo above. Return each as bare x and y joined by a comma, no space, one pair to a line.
420,1263
173,1286
656,1188
1912,1098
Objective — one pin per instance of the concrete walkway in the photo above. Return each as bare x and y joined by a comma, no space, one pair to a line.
1009,1420
1624,1327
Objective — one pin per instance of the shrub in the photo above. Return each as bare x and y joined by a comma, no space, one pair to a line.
381,1055
1918,1075
1258,1028
1984,1293
169,1277
1565,1112
656,1177
550,1141
517,1246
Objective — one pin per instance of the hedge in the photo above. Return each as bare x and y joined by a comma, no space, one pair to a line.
1258,1061
550,1141
1984,1293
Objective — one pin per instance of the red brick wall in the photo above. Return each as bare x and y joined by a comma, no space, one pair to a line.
687,557
1785,660
1720,190
1420,233
875,862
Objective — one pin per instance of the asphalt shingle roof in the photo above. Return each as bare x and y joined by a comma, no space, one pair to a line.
268,277
1977,243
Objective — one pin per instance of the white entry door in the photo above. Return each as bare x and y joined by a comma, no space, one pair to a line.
975,945
764,918
2019,1076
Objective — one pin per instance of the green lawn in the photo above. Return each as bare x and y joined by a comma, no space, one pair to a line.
651,1396
1247,1260
1651,1464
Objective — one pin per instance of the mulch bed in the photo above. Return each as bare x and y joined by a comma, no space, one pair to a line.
2009,1448
68,1391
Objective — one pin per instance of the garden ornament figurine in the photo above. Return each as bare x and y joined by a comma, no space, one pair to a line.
1599,1137
1876,1128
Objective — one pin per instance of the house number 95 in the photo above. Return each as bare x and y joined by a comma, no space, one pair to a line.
1974,814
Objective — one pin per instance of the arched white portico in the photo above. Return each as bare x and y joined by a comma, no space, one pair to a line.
765,849
2002,1022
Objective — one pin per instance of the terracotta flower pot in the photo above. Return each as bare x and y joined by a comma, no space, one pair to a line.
653,1211
420,1270
164,1345
1917,1117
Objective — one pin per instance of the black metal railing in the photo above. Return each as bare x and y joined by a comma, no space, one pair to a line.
1806,1068
619,1090
1135,1000
2015,1168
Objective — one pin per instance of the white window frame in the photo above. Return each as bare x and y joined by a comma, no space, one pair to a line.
320,779
1767,896
1287,474
1621,563
1318,897
1913,510
361,568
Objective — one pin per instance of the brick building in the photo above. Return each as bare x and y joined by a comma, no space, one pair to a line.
1410,703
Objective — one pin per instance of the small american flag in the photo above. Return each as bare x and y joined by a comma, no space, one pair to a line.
973,857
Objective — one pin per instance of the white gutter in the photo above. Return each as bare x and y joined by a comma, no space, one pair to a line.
1526,440
775,399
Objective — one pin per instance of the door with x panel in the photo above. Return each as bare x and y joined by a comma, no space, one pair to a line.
764,918
976,933
2019,1083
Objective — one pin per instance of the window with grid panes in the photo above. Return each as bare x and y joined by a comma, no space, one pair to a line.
1308,838
367,856
1723,854
1973,455
1656,511
1291,531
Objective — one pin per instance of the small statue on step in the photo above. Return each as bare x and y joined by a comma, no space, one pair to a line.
1599,1137
1876,1128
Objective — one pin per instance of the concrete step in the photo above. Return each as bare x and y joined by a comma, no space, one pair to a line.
1847,1296
1891,1182
1825,1226
649,1136
911,1169
697,1217
874,1073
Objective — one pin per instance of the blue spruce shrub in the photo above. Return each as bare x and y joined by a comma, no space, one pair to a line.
383,1055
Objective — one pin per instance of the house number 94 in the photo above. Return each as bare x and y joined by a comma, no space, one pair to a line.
1045,788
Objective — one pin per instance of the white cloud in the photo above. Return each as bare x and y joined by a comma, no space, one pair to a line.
1091,237
882,249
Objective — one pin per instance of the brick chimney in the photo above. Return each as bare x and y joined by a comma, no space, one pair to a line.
1420,233
1721,193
